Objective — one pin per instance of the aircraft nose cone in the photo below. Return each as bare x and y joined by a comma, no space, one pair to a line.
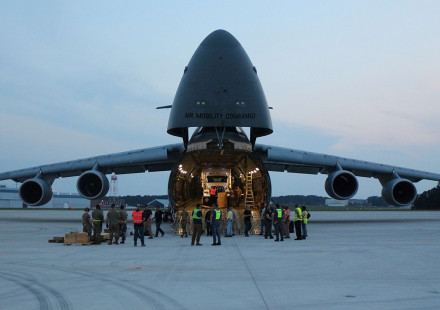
220,39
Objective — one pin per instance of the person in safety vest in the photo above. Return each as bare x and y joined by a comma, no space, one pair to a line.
98,218
212,195
216,216
304,222
122,223
197,224
138,222
286,221
298,221
278,224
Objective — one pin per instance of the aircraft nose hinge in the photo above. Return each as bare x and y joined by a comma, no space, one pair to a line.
220,131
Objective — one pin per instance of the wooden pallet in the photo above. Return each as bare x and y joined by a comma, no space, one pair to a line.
56,240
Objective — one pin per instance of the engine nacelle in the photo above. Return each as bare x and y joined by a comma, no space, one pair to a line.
341,185
92,184
35,192
399,192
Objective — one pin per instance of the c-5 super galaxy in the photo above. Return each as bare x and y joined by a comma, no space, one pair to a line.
219,94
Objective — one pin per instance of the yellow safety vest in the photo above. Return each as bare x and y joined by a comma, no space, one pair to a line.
195,214
305,217
280,213
298,217
217,214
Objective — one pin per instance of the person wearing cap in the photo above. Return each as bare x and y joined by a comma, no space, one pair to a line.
122,223
87,222
98,219
113,224
184,219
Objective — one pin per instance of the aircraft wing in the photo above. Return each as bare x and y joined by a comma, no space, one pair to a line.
160,158
297,161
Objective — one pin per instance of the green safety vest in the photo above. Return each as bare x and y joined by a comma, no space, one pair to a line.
305,217
280,213
298,216
195,214
217,214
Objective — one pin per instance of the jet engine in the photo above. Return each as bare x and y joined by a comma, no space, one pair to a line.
341,184
92,184
35,192
399,192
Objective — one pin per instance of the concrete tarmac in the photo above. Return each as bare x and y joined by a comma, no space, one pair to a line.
351,260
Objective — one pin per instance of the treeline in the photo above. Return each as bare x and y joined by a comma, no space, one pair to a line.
143,200
291,200
429,200
377,201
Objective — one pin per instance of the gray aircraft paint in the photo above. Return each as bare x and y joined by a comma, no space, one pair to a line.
220,89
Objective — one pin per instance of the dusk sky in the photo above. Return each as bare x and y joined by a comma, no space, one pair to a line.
358,79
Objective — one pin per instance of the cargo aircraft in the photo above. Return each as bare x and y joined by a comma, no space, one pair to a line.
219,95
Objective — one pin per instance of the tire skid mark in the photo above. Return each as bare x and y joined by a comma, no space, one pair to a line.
41,297
62,302
149,295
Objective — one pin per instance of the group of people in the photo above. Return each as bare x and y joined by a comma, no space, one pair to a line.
116,222
212,218
280,219
271,216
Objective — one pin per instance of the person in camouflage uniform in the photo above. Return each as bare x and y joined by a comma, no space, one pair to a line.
184,216
113,224
98,219
87,222
123,223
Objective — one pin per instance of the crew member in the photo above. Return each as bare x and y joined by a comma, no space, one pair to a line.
278,222
147,216
286,221
184,216
138,224
305,219
123,223
215,222
113,224
98,219
247,221
197,224
87,222
208,223
298,221
262,220
229,217
212,195
268,222
158,217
